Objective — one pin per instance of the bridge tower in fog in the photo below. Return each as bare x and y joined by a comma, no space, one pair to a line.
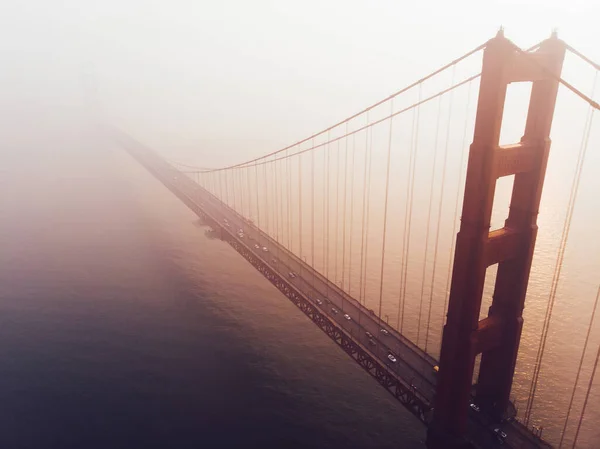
496,337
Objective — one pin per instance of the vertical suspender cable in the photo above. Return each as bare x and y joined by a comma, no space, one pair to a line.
267,208
456,201
281,202
312,211
288,182
385,212
328,189
440,205
431,187
257,198
351,215
276,201
362,226
229,201
587,397
344,210
234,202
247,173
337,212
300,205
238,173
587,337
368,218
325,178
220,177
410,181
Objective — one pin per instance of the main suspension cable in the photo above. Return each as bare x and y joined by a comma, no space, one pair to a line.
374,105
585,58
358,130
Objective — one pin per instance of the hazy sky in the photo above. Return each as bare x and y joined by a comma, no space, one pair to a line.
213,81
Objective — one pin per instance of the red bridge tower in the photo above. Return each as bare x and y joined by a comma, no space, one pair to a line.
511,247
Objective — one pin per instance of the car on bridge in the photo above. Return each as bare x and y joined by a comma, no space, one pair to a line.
318,301
474,407
369,334
334,310
256,246
290,274
500,435
348,317
274,260
384,331
372,342
265,249
392,358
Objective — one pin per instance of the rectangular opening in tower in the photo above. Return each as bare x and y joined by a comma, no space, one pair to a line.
514,117
501,205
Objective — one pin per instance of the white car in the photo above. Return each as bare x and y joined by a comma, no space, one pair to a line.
384,331
392,358
500,435
318,301
290,274
257,247
475,407
265,249
347,317
334,310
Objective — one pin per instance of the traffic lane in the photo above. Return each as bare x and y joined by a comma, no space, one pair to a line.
373,326
357,310
401,368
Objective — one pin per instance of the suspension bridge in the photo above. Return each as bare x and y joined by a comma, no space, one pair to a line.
358,225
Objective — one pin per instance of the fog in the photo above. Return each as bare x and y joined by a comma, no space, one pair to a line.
219,82
213,82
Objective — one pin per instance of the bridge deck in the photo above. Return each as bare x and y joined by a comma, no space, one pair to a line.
411,379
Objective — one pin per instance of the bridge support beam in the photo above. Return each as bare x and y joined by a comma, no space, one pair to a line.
496,337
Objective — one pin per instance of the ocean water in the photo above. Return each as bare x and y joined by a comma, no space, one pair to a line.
123,326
